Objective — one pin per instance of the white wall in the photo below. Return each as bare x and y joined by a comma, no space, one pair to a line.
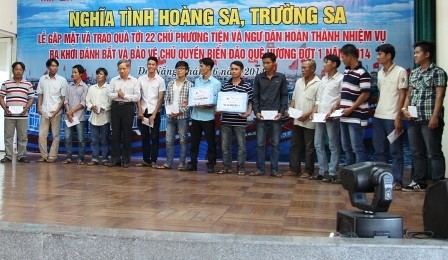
442,60
8,14
8,34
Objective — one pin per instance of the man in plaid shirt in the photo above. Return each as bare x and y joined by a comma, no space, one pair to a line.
427,85
177,95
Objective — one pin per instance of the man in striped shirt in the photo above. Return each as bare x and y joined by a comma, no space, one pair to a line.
235,122
355,90
16,98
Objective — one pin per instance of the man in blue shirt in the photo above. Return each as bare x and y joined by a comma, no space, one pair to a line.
203,119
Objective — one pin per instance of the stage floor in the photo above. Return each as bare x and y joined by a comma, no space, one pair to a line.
169,200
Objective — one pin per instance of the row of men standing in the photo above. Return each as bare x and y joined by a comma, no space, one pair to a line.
424,93
311,95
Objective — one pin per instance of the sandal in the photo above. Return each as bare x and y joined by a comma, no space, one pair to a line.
93,163
23,160
225,171
5,160
277,175
256,173
143,164
67,161
164,166
397,186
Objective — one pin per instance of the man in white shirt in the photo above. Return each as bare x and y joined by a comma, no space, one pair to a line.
98,103
328,98
392,84
152,88
51,93
302,139
124,91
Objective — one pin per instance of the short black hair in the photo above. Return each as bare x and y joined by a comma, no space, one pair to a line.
350,49
387,49
237,63
51,60
333,58
80,68
208,62
182,63
269,55
154,59
101,70
427,47
18,63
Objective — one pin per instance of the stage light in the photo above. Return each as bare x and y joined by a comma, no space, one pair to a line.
373,221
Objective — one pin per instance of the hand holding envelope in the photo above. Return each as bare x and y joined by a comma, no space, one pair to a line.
294,113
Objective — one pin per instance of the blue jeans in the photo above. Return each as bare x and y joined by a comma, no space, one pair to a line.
330,128
381,129
275,130
99,140
81,144
352,140
426,143
181,125
226,143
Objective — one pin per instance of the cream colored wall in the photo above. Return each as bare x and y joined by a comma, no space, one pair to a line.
442,60
8,14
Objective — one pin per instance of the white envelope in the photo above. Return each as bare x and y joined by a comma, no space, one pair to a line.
319,117
294,113
145,121
75,122
15,109
393,136
337,113
172,109
269,114
413,111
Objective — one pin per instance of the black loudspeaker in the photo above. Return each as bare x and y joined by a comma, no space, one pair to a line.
435,209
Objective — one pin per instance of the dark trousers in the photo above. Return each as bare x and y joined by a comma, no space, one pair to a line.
196,132
150,138
302,139
122,117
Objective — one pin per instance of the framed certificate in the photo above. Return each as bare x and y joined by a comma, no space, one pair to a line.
199,96
235,102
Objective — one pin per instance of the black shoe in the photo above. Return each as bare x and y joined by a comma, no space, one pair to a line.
5,160
210,168
328,178
316,177
337,180
190,167
112,164
23,160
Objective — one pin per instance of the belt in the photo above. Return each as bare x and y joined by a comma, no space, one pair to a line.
122,103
